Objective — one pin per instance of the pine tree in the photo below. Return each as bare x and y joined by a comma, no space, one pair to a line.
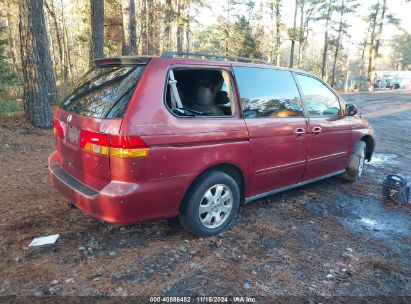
401,46
8,76
242,40
293,34
129,27
97,29
327,10
39,83
345,7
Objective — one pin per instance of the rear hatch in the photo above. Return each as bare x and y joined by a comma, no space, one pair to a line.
90,117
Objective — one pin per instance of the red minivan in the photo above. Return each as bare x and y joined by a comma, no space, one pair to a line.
143,138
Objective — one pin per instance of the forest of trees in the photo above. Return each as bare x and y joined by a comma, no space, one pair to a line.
47,44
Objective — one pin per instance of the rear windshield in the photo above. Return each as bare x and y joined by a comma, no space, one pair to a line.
104,92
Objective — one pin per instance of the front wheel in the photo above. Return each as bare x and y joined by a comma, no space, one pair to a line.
355,167
210,205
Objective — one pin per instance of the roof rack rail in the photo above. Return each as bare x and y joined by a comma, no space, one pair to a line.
171,54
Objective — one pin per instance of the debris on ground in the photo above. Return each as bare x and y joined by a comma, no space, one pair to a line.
44,240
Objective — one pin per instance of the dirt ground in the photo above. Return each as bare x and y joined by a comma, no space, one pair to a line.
328,240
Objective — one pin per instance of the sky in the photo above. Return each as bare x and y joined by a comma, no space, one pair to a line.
398,8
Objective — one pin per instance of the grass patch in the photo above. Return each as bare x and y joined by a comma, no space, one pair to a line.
9,107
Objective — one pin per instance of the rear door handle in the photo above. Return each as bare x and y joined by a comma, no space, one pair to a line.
299,131
316,130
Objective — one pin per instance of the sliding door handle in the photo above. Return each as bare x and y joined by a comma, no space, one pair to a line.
316,130
299,131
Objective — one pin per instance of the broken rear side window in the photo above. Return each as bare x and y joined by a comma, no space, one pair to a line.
104,92
200,92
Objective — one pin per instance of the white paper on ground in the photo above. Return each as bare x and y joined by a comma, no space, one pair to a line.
45,240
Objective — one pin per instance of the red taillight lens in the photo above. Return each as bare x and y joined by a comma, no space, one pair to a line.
112,145
94,142
58,129
130,142
93,138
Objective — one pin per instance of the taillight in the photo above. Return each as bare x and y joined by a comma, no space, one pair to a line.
112,145
94,142
58,129
128,146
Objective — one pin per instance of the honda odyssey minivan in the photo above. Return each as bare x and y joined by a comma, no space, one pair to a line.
143,138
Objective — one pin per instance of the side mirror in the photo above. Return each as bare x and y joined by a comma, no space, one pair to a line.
351,109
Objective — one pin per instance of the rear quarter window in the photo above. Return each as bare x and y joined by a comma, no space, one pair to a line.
103,92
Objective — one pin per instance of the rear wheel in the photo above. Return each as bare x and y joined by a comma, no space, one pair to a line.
211,204
355,167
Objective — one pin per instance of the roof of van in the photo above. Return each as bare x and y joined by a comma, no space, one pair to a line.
190,58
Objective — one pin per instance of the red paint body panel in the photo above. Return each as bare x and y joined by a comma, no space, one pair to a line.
278,155
328,151
125,203
266,151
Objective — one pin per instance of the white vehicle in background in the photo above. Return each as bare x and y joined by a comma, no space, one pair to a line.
400,83
405,83
392,80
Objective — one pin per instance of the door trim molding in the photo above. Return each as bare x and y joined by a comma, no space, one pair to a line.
316,159
281,167
252,198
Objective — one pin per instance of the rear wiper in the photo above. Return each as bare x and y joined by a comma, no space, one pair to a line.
188,112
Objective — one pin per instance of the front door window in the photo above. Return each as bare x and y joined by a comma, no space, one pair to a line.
319,99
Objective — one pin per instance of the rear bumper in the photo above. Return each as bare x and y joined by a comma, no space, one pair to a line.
120,202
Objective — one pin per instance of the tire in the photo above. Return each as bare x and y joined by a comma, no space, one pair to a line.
218,196
355,167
